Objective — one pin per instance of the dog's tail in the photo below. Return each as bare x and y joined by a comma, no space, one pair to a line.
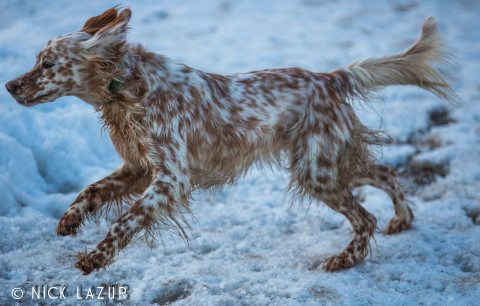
410,67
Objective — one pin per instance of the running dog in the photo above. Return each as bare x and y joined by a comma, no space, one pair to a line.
179,129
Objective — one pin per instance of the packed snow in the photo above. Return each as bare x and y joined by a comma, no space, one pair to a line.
249,246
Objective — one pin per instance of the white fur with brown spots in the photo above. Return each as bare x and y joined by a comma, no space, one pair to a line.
179,129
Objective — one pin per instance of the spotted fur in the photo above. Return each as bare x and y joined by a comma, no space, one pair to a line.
178,129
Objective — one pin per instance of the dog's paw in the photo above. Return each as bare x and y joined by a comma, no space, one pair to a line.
87,262
69,224
398,224
340,261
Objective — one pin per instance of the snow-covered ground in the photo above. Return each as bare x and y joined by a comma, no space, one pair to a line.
249,247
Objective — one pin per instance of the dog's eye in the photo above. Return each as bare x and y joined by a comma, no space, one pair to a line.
47,64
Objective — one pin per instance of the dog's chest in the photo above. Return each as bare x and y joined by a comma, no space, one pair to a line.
131,143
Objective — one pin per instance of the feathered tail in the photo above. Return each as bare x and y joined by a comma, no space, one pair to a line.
410,67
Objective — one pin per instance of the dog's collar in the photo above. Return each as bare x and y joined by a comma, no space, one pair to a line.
112,88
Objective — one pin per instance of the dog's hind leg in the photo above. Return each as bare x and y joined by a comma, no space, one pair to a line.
385,178
318,150
341,200
363,223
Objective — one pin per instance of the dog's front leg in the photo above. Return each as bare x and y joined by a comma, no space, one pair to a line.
164,202
124,181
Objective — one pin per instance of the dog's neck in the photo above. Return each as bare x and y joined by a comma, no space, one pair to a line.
144,77
114,84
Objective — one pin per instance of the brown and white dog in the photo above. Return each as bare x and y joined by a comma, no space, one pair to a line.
178,129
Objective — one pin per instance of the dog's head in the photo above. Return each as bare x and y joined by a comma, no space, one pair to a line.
78,64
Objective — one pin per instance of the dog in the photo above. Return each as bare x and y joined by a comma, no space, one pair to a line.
179,129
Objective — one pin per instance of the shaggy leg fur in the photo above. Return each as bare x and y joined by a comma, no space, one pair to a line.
117,238
162,203
385,178
121,183
144,214
363,223
316,163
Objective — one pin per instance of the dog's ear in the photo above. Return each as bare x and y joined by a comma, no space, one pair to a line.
108,30
94,24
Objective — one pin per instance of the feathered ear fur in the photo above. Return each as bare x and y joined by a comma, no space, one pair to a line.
96,23
108,32
105,50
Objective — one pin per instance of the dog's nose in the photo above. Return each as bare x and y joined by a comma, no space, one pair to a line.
11,87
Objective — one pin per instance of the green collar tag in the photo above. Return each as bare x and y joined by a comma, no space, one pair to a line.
112,88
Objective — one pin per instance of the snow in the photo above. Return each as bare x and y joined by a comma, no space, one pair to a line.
249,247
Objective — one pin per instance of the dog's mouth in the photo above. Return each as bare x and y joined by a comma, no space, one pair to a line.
32,102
